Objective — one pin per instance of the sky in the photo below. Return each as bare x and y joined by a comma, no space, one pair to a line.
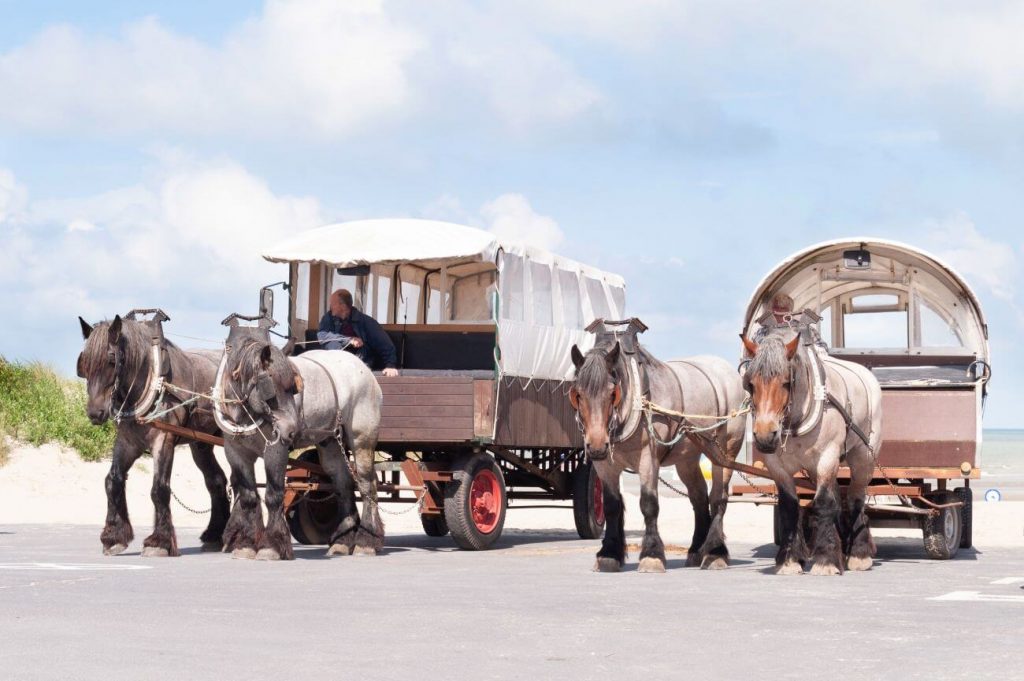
149,150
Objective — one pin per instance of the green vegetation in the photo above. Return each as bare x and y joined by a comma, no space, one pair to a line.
38,406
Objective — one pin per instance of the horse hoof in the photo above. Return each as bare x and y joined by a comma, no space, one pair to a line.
244,554
651,564
714,563
364,551
692,559
213,546
859,564
607,565
339,550
790,567
268,554
827,569
155,552
114,549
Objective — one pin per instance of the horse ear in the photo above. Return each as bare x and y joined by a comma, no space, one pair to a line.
613,355
574,397
791,346
114,330
617,395
86,328
265,356
750,345
577,356
298,382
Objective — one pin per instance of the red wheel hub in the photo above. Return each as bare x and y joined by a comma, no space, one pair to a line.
485,501
598,501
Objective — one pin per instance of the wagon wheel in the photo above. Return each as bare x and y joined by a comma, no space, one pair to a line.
965,495
943,530
315,517
435,525
588,501
474,503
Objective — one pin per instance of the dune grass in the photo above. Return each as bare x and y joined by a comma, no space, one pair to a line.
38,406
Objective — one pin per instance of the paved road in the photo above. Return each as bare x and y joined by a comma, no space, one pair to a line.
529,610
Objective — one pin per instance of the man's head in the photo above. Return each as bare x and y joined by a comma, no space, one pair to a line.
341,303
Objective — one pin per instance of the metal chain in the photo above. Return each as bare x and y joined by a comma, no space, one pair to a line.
188,508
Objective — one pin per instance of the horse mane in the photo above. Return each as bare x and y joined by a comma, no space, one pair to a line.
136,346
770,360
593,375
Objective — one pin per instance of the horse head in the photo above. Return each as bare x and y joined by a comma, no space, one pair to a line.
101,363
595,395
257,383
768,379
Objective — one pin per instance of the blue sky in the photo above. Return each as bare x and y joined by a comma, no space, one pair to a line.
149,150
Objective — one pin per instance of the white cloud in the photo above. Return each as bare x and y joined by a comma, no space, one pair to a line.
188,240
513,219
13,196
978,258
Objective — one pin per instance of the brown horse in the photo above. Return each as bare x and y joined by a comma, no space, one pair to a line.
811,412
128,367
608,392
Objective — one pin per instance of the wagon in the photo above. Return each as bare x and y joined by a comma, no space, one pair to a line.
477,421
917,325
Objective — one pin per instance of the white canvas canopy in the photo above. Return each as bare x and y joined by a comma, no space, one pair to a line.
432,272
863,306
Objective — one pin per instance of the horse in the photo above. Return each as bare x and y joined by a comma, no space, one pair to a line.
268,404
132,372
810,411
608,395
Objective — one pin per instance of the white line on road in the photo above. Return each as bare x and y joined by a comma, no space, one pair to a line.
977,597
71,566
1009,580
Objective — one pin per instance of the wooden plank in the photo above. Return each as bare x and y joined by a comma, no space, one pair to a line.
313,313
483,408
458,422
425,435
488,328
458,400
433,380
188,433
427,409
428,389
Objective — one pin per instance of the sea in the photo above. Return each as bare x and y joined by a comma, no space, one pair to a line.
1002,466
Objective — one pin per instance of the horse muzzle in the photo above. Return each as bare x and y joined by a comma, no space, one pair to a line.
598,454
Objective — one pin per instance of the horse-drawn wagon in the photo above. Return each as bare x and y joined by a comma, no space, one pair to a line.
916,324
478,416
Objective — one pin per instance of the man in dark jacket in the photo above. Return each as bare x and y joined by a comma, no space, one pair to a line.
346,328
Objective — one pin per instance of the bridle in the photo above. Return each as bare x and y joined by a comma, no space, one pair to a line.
614,422
262,382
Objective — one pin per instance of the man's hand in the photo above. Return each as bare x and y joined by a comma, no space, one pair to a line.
390,371
356,342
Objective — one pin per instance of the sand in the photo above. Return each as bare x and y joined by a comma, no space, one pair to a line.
51,484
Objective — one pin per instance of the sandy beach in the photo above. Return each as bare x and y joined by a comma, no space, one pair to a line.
50,484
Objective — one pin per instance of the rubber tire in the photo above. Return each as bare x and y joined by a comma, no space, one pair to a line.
937,545
587,525
434,525
777,525
309,522
457,509
966,495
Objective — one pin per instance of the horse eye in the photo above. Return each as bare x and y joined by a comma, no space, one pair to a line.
786,385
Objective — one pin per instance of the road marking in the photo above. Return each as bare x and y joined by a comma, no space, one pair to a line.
1009,580
71,566
977,597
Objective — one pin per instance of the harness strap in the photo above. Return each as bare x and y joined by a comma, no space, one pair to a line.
338,425
850,425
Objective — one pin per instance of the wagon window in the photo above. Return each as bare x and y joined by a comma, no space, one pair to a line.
598,300
512,301
302,291
569,286
540,293
935,332
380,290
434,302
407,307
471,297
349,283
875,321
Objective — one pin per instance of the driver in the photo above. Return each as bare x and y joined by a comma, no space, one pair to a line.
344,327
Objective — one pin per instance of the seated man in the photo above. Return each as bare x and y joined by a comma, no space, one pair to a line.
346,328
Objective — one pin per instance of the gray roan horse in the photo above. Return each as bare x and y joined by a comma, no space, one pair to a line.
267,405
810,412
128,365
611,382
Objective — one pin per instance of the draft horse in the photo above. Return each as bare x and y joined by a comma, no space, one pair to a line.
132,373
609,390
268,404
811,413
